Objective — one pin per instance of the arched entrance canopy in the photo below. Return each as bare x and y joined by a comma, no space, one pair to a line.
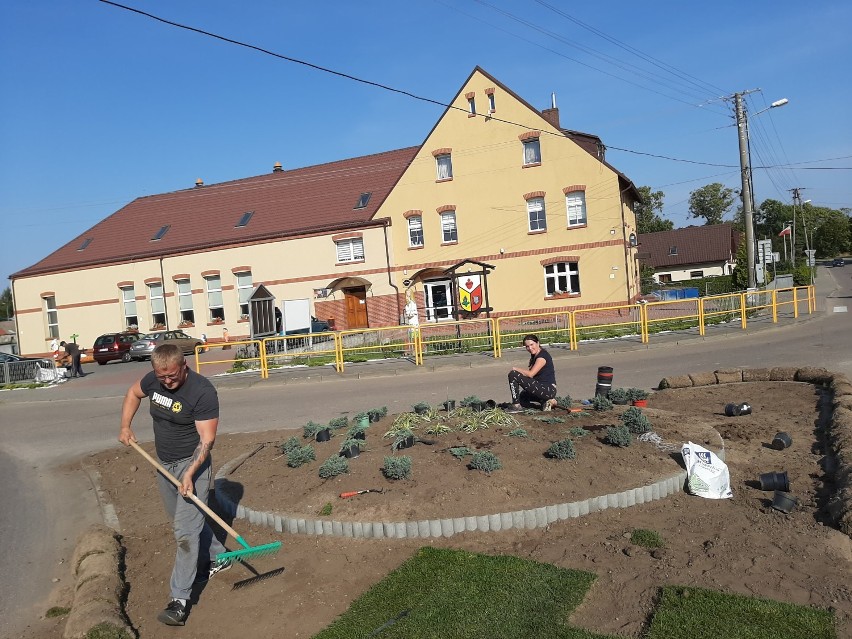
470,288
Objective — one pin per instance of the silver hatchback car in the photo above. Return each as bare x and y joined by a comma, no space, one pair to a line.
145,345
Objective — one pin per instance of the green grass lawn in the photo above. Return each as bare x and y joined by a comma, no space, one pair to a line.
452,594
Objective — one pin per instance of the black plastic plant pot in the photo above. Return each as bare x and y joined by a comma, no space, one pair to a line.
408,442
323,435
781,441
421,410
775,481
351,451
490,404
735,410
475,406
449,405
784,502
359,435
374,417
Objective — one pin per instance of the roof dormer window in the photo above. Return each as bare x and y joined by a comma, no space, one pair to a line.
85,243
363,200
159,235
244,220
672,250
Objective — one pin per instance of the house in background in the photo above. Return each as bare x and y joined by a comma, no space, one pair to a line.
495,182
690,253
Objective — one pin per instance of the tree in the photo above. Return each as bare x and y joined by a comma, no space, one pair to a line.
647,218
711,202
7,309
831,236
739,277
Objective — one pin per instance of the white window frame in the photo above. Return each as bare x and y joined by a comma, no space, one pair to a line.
449,229
51,315
471,105
244,289
157,301
575,208
444,166
532,151
350,250
128,302
492,103
536,215
184,293
215,305
415,231
562,277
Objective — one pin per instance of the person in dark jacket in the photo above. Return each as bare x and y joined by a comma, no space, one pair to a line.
73,351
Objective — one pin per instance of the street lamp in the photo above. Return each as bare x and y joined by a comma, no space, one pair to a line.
745,175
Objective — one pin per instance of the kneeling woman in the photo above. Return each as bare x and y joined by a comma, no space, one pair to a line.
537,382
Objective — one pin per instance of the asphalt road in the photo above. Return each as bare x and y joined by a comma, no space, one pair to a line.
47,500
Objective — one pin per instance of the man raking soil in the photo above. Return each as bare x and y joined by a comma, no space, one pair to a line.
185,408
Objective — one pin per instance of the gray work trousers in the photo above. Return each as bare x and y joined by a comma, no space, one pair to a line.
192,532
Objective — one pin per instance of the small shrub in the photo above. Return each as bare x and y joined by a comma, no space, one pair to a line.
325,511
334,466
376,414
601,403
635,420
420,407
361,417
474,421
563,449
470,399
397,467
311,429
549,419
57,611
618,436
646,538
619,395
338,423
518,432
578,431
563,401
486,461
460,452
291,444
301,455
106,630
636,393
349,441
355,431
438,428
404,421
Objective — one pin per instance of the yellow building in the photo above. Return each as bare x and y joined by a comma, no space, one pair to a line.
495,182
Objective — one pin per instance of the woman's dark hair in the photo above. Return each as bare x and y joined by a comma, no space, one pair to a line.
531,337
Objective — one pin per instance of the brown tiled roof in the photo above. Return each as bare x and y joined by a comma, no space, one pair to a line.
694,244
301,201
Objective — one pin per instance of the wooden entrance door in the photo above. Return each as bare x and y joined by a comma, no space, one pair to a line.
356,307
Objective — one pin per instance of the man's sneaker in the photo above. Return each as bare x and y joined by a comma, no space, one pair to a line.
548,404
174,614
219,566
514,409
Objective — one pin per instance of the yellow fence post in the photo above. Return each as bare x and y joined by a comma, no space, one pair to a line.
643,323
264,364
572,331
498,346
774,306
700,316
418,347
743,310
796,302
812,298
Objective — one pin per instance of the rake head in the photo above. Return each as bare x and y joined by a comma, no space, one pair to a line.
247,553
257,578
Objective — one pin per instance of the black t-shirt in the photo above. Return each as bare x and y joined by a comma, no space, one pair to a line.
72,349
175,413
546,375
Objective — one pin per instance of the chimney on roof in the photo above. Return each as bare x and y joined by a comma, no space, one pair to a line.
552,114
199,182
277,168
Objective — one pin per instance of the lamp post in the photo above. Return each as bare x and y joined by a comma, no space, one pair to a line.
745,175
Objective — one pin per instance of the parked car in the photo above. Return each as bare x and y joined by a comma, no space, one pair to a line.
145,345
838,261
112,346
317,326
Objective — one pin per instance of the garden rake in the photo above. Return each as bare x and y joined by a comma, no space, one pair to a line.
242,555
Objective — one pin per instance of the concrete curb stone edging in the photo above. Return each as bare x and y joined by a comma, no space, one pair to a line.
99,586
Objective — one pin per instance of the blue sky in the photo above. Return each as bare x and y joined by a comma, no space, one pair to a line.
100,105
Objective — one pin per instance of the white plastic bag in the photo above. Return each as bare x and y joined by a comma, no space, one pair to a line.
706,474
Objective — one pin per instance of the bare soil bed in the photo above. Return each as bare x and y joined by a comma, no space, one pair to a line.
738,545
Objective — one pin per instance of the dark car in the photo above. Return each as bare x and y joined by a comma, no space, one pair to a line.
317,326
838,261
112,346
146,344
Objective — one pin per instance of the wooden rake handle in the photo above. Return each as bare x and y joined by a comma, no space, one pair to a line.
204,507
